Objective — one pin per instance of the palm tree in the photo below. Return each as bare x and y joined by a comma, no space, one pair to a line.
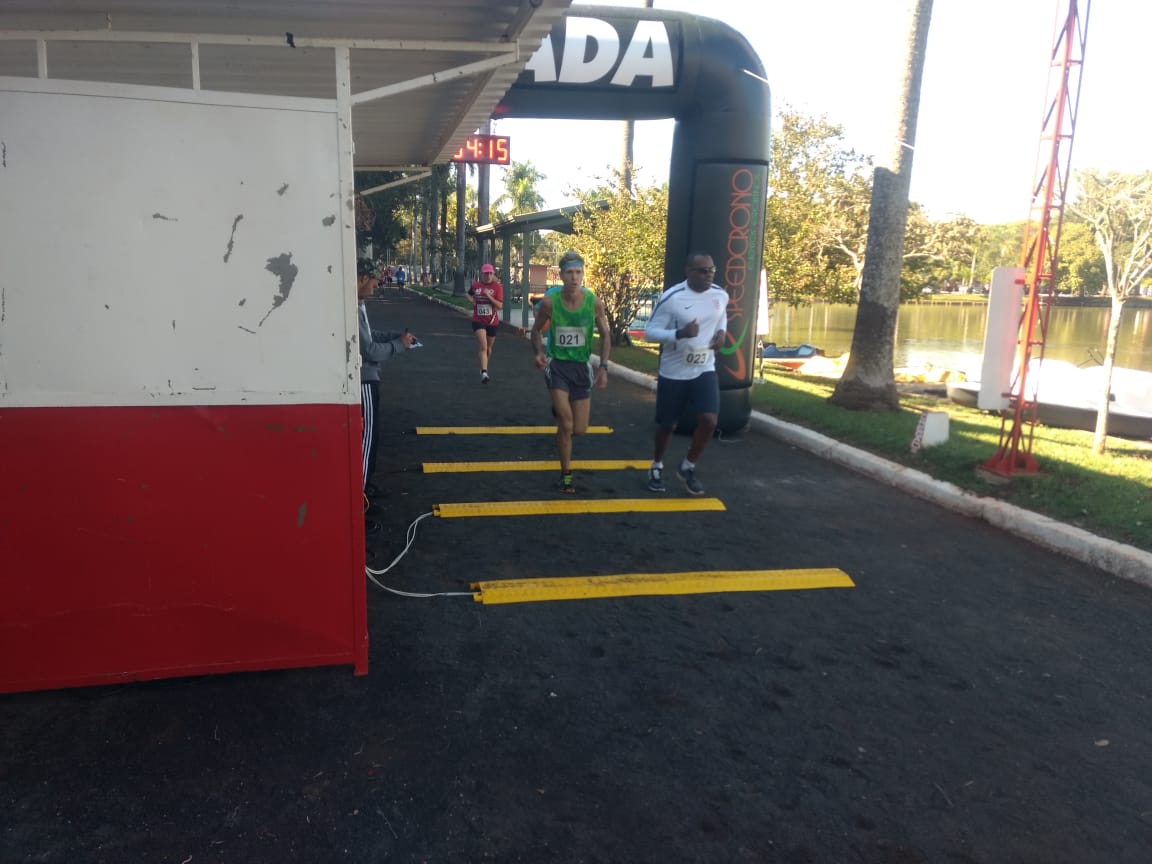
869,381
522,196
628,143
520,189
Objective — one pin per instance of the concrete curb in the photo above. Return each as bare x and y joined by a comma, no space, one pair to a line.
1119,559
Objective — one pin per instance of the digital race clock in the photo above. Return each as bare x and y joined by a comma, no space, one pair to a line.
491,149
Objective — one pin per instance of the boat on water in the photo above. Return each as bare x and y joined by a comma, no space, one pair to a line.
792,357
1069,398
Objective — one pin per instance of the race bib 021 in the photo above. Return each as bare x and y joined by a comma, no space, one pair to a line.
569,337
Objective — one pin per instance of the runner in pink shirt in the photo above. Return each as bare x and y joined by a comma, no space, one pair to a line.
487,300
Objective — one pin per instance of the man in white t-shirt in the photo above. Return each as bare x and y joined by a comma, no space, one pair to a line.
690,322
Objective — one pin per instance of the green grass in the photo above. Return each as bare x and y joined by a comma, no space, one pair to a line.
443,295
1109,495
635,357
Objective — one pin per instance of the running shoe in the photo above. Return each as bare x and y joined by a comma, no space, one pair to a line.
694,486
566,486
484,379
656,480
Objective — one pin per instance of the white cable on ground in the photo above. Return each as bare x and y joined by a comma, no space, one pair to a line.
410,536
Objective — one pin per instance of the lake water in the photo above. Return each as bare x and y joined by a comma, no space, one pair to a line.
951,336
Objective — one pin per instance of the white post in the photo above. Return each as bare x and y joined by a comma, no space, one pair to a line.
1001,333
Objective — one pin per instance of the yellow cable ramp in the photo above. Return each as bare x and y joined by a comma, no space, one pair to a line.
653,584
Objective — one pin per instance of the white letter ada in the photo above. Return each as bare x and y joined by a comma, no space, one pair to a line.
638,62
574,69
543,63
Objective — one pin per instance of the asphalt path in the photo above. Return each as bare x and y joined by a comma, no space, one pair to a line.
973,698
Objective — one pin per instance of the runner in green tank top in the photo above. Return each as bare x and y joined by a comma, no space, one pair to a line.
570,332
570,314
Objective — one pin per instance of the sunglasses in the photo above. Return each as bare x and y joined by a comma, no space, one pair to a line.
704,269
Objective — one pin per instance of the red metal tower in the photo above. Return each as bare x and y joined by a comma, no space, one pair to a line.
1042,239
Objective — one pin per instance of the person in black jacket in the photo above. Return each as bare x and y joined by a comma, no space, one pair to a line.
376,347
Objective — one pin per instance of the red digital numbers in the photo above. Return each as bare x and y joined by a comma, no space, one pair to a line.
492,149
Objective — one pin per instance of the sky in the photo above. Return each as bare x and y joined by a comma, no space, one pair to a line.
983,98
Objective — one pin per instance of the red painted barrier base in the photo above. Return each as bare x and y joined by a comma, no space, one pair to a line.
142,543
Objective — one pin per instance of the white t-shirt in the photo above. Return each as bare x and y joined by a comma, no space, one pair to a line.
685,359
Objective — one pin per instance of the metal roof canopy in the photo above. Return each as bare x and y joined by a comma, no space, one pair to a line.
559,219
425,74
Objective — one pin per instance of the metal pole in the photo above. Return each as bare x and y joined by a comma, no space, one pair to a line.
482,195
506,272
525,282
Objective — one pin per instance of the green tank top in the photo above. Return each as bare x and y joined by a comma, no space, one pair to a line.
570,333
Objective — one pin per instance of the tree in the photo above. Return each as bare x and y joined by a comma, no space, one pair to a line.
521,195
813,182
844,234
548,246
816,231
937,253
521,190
445,242
1118,209
391,208
998,246
869,380
1080,268
628,143
623,248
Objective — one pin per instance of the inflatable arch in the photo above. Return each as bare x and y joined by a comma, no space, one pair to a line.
607,63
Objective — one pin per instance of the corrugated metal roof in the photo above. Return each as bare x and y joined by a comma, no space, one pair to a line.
430,43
